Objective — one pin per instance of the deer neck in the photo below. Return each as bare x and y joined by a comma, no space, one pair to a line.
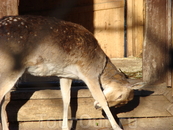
111,74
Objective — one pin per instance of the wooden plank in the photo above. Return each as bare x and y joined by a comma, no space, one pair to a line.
169,37
109,30
47,105
47,94
168,95
51,109
135,24
130,28
3,10
12,7
8,7
138,28
171,76
109,26
155,43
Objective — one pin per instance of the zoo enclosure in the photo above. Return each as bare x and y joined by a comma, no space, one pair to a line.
118,25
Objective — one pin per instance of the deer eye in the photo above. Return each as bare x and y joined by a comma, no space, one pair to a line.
119,97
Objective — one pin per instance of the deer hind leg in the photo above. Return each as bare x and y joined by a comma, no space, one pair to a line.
65,85
95,89
7,81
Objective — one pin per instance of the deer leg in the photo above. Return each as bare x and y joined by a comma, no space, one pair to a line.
98,95
6,84
65,85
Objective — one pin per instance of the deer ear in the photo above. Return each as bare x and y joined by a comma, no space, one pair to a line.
138,85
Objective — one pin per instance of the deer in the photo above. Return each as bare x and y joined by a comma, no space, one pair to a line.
47,46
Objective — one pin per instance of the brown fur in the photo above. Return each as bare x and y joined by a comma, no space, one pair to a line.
50,47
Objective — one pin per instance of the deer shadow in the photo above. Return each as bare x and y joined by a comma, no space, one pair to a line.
130,106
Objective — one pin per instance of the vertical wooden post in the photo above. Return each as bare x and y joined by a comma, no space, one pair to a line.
155,48
169,36
8,7
129,27
171,48
135,22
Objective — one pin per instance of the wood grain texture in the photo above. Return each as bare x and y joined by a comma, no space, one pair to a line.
155,44
47,105
135,27
8,7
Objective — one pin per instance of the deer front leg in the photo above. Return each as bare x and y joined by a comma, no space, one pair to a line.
65,85
98,95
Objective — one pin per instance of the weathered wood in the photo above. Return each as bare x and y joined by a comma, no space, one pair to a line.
169,37
109,30
12,7
138,28
135,25
155,44
170,76
168,95
47,105
129,28
8,7
3,11
104,18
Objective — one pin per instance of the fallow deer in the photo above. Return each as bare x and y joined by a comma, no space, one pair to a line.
45,46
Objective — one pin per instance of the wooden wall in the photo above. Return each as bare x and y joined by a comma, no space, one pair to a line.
109,20
135,27
105,18
117,24
8,7
109,27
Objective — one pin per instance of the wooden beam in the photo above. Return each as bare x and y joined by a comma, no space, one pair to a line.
156,42
138,28
129,28
172,43
169,36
